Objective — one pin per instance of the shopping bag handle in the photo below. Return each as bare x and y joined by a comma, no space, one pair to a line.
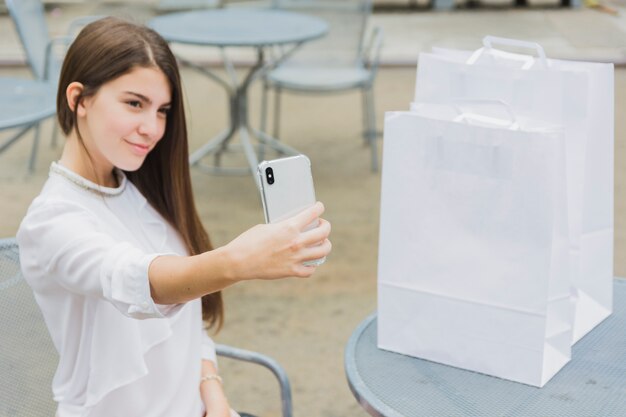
464,116
481,118
489,41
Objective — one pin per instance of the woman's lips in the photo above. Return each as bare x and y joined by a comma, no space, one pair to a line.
139,149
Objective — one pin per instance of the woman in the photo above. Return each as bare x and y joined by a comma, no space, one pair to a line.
114,250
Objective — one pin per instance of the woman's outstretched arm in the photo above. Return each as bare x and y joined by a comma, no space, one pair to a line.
268,251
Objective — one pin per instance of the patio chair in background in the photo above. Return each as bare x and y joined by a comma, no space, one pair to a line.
25,103
344,59
28,358
30,22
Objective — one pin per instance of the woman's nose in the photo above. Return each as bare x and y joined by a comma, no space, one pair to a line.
152,125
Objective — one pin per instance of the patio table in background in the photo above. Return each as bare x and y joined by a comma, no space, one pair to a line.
240,27
593,383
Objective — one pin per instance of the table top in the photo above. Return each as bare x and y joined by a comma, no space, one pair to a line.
238,27
593,383
25,101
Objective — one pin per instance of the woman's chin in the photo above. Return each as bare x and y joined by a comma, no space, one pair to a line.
131,166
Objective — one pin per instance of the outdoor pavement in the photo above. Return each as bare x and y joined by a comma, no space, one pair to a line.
305,324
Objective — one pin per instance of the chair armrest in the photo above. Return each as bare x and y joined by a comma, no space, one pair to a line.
267,362
371,52
66,40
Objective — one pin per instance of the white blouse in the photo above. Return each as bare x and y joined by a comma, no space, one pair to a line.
85,251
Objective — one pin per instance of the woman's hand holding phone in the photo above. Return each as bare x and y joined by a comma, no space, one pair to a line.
281,249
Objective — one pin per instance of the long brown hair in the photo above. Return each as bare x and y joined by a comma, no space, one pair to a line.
107,49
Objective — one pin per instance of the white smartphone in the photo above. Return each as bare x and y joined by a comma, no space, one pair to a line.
287,189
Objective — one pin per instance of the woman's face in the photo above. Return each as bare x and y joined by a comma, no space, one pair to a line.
125,119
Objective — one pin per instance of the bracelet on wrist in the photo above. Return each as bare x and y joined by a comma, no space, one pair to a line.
211,377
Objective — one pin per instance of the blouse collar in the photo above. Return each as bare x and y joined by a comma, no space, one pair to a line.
62,171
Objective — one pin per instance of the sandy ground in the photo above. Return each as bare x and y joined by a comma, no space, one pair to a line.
304,324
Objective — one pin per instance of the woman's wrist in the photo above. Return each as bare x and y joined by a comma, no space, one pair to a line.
211,377
223,263
213,397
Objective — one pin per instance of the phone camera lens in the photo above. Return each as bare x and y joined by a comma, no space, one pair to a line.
269,174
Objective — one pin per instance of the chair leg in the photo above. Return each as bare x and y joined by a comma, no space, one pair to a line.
365,120
264,95
33,153
55,134
371,126
10,141
263,124
277,92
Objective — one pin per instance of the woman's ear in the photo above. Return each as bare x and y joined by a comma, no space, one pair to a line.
73,94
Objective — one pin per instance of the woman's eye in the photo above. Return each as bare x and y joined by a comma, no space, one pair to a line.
164,111
134,103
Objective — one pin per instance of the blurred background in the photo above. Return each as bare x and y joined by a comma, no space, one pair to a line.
305,324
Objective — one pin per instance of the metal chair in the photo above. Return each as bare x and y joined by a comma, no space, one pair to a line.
342,60
25,103
28,358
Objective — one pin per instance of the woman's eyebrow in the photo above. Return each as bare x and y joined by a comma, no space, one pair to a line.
139,96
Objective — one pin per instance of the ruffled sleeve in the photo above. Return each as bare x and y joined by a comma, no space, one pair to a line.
63,241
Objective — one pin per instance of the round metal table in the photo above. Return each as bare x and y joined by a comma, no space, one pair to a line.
592,384
240,27
25,102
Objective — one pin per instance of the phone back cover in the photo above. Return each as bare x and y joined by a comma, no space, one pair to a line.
292,190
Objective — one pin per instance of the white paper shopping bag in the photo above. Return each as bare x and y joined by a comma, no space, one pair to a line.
473,255
579,97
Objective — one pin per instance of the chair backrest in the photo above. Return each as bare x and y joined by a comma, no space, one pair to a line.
347,21
28,358
30,21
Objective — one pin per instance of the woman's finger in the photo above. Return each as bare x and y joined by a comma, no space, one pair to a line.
307,216
317,234
301,268
316,252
